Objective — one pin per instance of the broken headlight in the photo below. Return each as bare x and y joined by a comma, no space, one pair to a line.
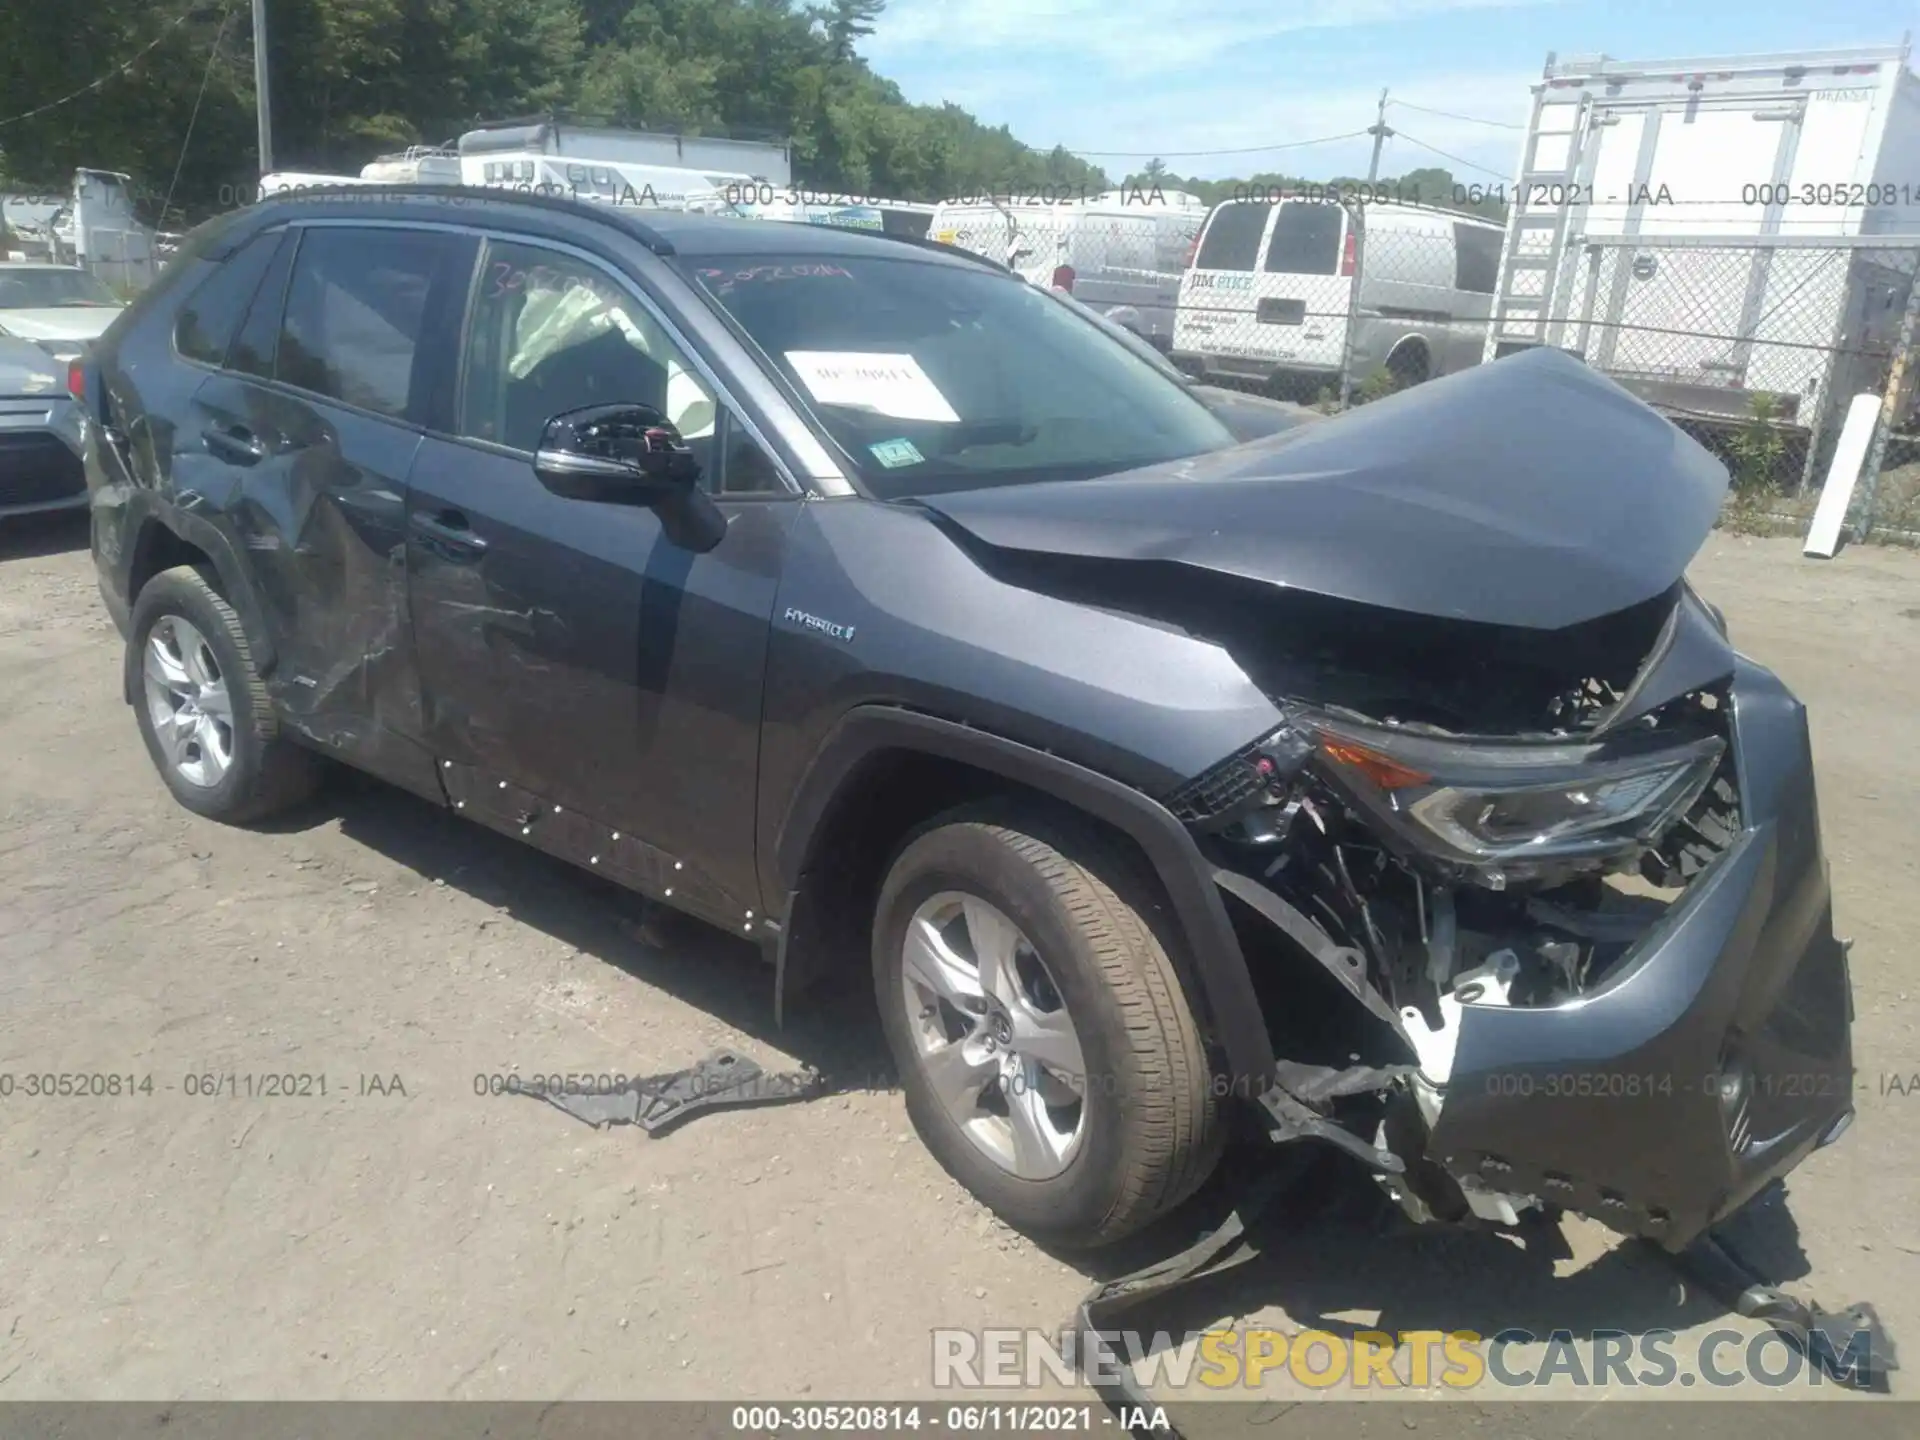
1517,808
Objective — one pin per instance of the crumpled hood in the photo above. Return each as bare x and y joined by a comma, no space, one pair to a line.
63,322
1530,491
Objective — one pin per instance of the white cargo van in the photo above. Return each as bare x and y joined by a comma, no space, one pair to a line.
1271,288
1120,253
848,212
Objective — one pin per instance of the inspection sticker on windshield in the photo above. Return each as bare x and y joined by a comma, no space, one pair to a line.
895,453
887,384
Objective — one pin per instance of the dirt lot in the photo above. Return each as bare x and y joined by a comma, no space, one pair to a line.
404,1237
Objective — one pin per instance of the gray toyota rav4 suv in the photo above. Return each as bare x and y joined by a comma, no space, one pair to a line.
1379,783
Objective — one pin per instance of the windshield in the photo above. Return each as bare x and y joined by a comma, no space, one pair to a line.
936,377
46,289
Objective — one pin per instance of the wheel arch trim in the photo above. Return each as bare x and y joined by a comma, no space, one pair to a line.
213,542
1220,967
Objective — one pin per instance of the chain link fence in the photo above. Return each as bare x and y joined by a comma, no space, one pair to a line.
1753,345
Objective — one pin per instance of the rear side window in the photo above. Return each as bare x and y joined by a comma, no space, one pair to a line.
253,347
1306,239
1476,258
1232,241
355,312
212,313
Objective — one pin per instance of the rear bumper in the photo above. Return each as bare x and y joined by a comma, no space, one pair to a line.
1712,1062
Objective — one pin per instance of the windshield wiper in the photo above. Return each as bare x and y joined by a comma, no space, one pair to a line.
969,433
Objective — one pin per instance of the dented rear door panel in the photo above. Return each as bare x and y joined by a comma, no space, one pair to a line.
316,499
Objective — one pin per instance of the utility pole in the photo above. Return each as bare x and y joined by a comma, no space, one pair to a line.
262,98
1378,130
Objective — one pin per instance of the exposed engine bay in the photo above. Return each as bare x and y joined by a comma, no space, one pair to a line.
1465,819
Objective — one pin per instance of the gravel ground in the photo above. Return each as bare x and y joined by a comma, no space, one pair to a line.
402,1237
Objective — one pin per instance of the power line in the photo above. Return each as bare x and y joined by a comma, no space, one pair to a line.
1193,154
1470,119
187,139
1471,165
113,74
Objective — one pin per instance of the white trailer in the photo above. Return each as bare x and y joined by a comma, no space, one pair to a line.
416,165
770,161
606,182
1699,228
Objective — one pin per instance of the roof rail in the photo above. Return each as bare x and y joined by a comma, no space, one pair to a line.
453,194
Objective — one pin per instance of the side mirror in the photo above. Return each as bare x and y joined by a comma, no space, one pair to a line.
630,455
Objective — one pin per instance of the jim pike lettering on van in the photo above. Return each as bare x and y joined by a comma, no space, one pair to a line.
1206,280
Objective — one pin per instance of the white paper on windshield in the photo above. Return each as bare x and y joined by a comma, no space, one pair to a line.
887,384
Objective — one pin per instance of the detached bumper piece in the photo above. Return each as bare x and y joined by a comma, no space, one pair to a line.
658,1103
1849,1345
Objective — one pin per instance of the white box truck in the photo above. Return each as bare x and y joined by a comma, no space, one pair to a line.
1702,229
768,160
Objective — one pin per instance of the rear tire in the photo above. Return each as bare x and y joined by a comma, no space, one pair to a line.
202,708
1089,982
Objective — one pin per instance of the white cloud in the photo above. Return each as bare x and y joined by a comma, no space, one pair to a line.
1162,76
1134,39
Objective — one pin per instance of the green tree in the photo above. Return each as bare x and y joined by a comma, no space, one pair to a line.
848,21
354,78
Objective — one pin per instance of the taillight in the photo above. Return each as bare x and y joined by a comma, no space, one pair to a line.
1063,278
1349,255
77,379
1193,253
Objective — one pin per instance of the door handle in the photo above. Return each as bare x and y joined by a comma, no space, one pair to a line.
235,443
448,532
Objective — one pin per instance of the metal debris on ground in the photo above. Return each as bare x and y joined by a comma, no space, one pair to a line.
658,1103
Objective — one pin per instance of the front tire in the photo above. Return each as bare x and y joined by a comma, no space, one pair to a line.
202,708
1049,1056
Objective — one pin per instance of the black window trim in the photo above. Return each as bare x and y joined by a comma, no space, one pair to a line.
297,227
173,330
724,397
300,226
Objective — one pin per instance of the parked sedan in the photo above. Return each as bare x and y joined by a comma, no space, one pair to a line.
40,443
61,308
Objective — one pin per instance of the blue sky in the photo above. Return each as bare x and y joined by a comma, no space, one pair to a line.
1161,76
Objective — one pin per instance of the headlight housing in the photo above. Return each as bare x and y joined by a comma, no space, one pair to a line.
1515,810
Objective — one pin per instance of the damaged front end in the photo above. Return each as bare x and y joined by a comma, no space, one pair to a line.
1552,843
1573,883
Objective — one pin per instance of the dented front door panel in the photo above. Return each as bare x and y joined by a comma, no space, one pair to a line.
570,649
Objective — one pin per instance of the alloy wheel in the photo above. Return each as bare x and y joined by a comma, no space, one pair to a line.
188,701
993,1036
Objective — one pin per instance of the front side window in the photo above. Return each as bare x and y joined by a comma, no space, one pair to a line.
356,309
933,375
551,333
1476,258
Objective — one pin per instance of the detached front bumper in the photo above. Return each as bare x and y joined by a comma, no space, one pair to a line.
1711,1061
